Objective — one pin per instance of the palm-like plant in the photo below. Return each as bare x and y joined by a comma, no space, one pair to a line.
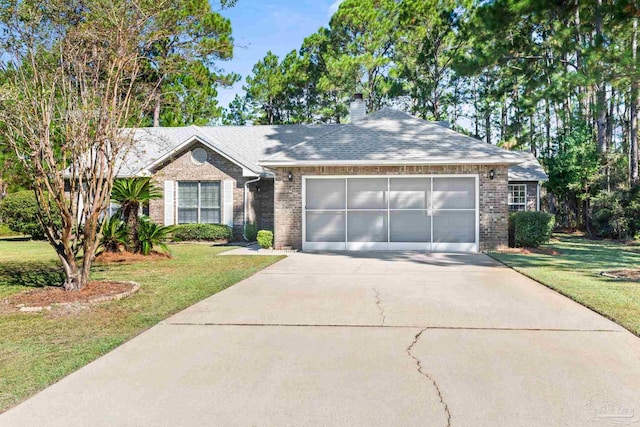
131,193
114,234
152,234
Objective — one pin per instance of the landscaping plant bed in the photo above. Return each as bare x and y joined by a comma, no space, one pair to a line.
530,251
93,292
632,275
125,257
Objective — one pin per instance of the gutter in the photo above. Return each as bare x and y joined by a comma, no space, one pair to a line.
432,162
244,219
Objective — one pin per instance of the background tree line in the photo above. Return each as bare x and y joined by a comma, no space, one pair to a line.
557,78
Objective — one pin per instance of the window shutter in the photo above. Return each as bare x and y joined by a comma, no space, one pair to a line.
227,199
168,203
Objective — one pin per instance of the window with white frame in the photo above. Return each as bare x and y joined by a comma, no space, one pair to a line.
199,202
111,210
517,197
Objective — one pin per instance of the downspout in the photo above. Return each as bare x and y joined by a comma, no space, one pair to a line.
538,196
244,219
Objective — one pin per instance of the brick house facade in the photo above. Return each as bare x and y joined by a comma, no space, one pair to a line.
493,209
252,165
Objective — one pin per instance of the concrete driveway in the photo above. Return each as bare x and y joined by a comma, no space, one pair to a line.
392,339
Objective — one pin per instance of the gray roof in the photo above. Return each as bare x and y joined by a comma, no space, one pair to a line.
529,170
392,137
385,137
244,145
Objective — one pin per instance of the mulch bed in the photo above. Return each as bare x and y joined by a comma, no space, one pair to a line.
633,275
52,295
125,257
530,251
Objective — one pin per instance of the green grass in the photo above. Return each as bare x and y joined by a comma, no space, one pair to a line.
38,349
576,274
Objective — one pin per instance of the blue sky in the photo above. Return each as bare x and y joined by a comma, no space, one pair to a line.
276,25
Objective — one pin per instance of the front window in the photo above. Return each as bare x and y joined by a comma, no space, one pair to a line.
199,202
517,197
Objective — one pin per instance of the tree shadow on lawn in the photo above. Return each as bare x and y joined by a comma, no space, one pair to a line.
32,274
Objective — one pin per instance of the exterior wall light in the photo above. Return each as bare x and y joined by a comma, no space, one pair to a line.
492,173
290,176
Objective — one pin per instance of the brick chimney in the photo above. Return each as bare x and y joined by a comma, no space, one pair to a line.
357,108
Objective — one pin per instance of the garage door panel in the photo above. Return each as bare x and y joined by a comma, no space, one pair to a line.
325,226
367,226
454,193
367,193
410,226
454,227
325,194
409,193
391,213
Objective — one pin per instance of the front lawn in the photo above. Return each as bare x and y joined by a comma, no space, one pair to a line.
39,349
575,272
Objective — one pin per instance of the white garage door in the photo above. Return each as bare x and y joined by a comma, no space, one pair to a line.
437,213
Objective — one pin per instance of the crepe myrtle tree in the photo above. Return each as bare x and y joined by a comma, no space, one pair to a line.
72,70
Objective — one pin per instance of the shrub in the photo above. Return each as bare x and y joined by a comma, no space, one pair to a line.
20,212
265,239
512,229
6,231
114,234
205,232
251,231
151,234
532,229
608,215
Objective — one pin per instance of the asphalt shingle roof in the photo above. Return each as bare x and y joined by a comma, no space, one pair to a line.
387,136
529,170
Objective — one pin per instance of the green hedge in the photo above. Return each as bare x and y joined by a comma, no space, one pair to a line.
265,239
20,212
531,229
6,231
251,231
202,232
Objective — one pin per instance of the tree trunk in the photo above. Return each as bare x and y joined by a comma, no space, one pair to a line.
547,123
633,125
532,134
503,121
156,111
130,212
601,94
487,125
73,278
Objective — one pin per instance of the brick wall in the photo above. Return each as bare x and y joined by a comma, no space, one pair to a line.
217,168
493,198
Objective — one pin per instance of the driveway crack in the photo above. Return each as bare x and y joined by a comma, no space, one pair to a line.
427,376
380,307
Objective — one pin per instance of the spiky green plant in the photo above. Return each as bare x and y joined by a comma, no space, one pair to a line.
131,193
114,235
152,235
